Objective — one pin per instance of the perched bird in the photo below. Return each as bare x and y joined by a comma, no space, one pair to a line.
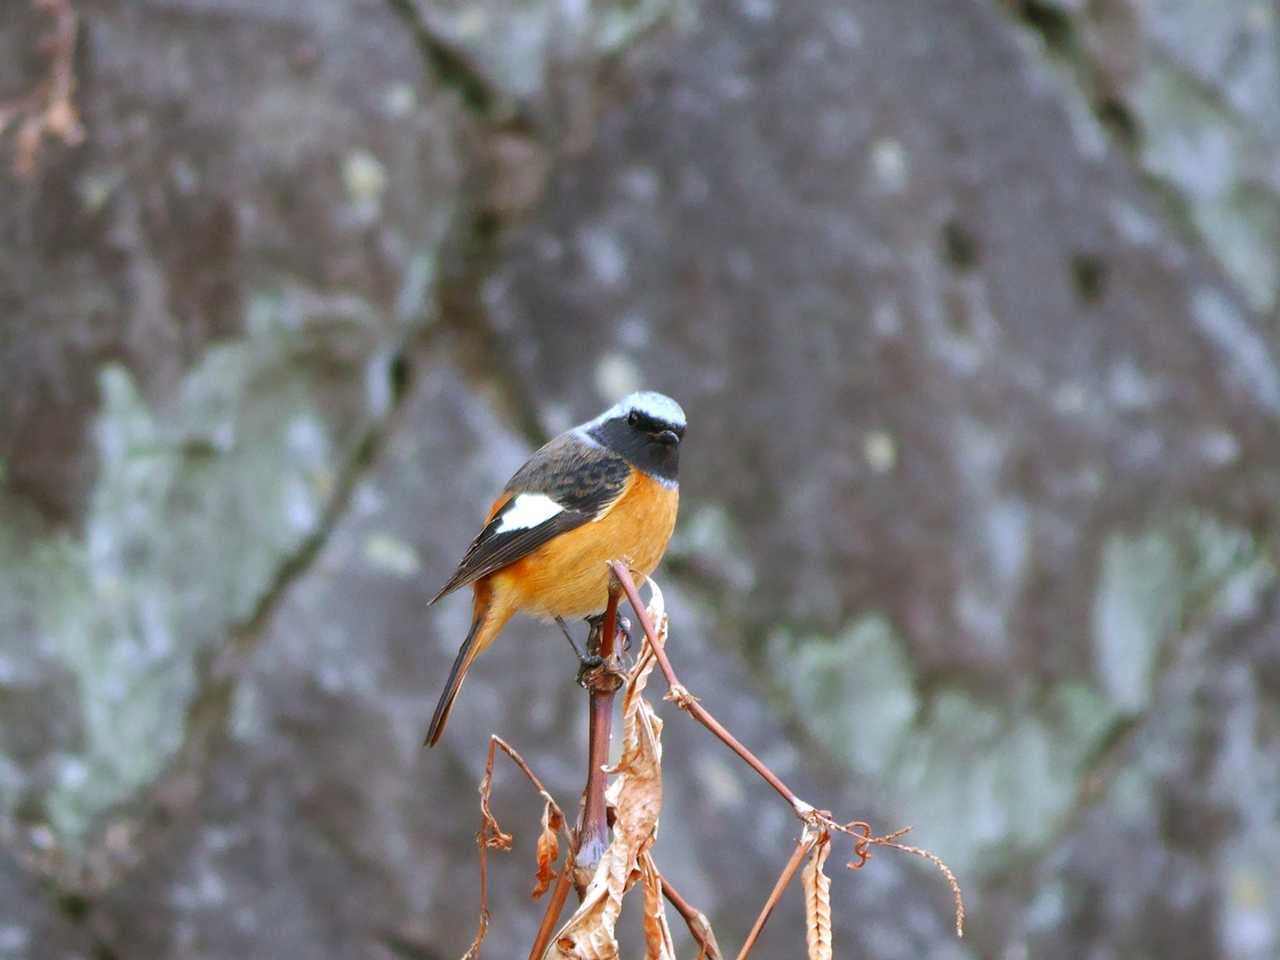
605,490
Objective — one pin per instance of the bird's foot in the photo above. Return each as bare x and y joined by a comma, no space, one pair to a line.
601,674
588,667
624,628
596,623
596,672
569,636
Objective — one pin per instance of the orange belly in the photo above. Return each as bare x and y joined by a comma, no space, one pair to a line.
569,576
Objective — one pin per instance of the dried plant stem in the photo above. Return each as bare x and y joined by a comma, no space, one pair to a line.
602,686
956,897
803,847
482,927
812,818
491,834
555,906
697,922
497,743
591,839
689,703
638,800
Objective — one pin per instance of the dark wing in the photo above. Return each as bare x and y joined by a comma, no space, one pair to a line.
584,479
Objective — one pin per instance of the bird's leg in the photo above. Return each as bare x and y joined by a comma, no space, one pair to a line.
624,628
592,661
569,636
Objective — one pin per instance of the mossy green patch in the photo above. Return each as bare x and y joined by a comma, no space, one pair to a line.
1137,605
1007,770
986,781
1150,583
859,681
1216,161
195,509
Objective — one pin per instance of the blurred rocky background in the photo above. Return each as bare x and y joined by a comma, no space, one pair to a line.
974,307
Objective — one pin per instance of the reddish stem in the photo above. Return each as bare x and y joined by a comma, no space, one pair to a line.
602,685
803,846
555,906
687,702
697,922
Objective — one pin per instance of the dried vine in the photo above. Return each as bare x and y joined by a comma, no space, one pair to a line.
609,851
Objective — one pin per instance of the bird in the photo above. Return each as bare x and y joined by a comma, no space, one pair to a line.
604,490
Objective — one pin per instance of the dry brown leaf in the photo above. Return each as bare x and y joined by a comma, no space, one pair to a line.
636,797
657,932
491,834
817,901
548,848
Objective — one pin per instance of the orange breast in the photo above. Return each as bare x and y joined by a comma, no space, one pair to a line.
568,576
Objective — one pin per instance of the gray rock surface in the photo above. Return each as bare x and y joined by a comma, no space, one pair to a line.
255,282
33,924
974,318
1195,89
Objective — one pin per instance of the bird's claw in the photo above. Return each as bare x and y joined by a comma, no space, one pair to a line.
591,666
601,674
623,625
587,666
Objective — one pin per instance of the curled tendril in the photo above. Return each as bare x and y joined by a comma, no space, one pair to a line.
861,832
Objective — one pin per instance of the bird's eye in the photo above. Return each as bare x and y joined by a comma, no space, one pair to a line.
633,418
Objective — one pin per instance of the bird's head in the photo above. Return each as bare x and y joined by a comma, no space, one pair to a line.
644,427
654,417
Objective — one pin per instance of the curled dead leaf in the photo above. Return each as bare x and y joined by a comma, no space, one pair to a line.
548,848
817,901
658,944
491,834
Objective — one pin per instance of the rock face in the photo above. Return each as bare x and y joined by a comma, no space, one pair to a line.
974,317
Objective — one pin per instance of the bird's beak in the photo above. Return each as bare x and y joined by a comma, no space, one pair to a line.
668,438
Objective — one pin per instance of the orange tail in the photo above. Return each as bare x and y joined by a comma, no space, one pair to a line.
485,624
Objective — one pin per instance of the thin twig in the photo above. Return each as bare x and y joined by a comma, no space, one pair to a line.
952,882
491,835
519,761
697,922
555,906
860,830
689,703
805,844
811,817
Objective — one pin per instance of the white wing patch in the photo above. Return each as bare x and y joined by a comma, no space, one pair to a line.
527,510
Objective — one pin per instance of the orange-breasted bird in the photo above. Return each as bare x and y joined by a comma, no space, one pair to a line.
605,490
